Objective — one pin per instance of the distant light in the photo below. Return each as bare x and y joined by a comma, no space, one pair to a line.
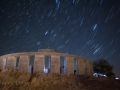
94,26
54,35
73,1
46,32
45,70
38,43
94,73
57,3
104,75
117,78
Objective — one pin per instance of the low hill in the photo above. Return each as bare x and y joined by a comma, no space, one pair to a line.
18,80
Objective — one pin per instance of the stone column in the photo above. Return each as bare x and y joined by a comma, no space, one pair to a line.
88,69
4,63
24,63
1,63
69,65
11,61
80,66
85,67
91,66
55,64
38,64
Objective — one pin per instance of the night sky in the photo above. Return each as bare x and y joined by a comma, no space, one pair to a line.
87,28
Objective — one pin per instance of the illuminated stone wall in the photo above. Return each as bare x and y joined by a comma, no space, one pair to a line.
69,65
10,63
1,63
39,64
55,64
84,66
23,63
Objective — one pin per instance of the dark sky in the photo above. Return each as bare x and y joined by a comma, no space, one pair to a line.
88,28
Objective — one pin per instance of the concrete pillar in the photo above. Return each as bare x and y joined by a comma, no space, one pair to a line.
69,65
11,61
80,66
4,63
23,63
88,69
85,67
91,69
91,66
1,63
38,64
55,64
76,66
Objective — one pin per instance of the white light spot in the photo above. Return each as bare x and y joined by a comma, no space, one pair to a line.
45,70
54,35
46,32
81,22
96,50
38,43
117,78
73,1
95,26
101,1
58,3
68,17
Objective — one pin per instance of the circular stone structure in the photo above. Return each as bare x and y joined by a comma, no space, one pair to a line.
47,61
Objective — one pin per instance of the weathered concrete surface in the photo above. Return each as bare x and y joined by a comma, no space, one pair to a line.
10,64
76,66
4,63
88,68
47,50
39,53
1,63
91,68
24,63
69,65
55,64
80,66
85,67
38,64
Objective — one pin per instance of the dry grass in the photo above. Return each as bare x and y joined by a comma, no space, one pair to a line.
12,80
18,80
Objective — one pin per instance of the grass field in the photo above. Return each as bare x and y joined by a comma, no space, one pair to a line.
18,80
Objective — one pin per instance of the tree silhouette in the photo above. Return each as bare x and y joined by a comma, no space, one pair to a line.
102,66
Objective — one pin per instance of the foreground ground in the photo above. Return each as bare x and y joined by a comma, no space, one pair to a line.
17,80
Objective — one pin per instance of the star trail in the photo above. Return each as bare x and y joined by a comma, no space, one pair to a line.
87,28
